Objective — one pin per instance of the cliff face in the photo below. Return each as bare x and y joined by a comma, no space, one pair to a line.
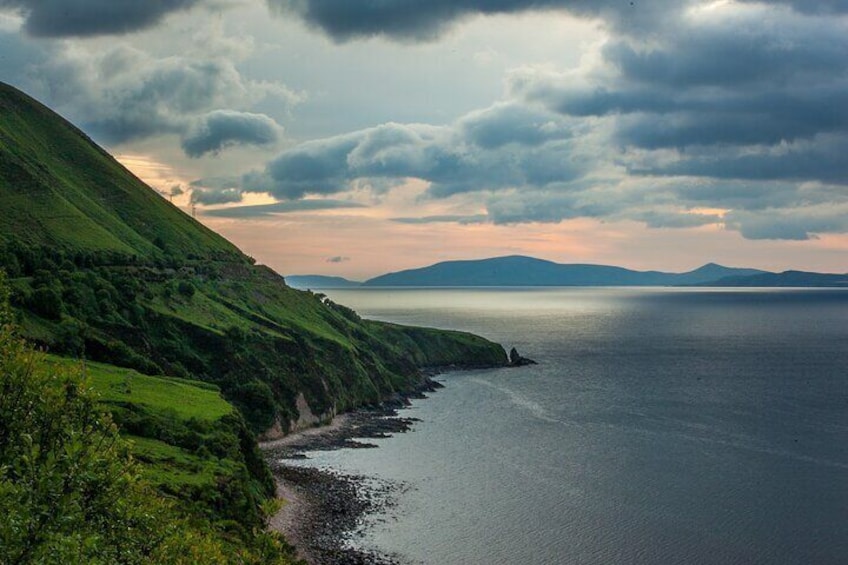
102,266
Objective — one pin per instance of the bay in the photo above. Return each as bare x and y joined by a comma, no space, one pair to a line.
660,426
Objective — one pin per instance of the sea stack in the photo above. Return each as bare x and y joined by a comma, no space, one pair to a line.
516,360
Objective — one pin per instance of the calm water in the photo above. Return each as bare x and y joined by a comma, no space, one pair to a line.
661,426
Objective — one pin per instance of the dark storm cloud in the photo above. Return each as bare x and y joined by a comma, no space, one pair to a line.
66,18
415,20
746,49
265,210
795,225
823,160
120,94
751,77
733,106
226,128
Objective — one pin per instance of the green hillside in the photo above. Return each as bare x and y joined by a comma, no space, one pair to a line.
187,437
60,189
101,266
191,347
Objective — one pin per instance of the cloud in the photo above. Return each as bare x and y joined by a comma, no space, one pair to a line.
448,218
225,128
821,159
213,196
407,20
266,210
337,259
512,123
219,183
739,75
812,6
66,18
121,94
800,224
493,149
738,107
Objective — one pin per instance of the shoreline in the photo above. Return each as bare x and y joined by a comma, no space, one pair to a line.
323,508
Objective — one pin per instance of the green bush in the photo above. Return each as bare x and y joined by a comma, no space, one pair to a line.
47,302
186,288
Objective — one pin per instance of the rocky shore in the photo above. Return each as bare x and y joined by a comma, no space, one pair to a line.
324,509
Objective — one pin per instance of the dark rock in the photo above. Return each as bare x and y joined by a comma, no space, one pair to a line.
516,360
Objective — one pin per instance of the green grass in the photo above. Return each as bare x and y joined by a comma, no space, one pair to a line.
61,189
186,399
190,443
173,469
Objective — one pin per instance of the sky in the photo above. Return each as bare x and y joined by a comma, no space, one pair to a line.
355,138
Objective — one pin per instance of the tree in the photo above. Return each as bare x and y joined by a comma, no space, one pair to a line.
69,492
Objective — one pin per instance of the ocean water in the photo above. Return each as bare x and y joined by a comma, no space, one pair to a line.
661,426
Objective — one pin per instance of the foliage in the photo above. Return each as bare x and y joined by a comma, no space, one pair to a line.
70,491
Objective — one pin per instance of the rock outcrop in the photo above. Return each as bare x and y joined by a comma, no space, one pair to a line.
516,360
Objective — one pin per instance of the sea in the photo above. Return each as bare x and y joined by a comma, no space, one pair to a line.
660,426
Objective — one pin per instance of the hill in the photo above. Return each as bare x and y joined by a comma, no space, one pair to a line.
527,271
61,190
100,263
787,279
101,267
317,282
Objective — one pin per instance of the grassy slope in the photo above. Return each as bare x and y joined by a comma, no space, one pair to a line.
187,437
59,188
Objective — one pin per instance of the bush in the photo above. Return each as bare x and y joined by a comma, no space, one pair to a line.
47,303
186,288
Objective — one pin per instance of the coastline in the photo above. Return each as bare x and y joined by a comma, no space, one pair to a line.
323,508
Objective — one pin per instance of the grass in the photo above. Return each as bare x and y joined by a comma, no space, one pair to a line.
172,468
61,189
190,443
186,399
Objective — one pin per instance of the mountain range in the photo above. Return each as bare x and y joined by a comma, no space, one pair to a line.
517,270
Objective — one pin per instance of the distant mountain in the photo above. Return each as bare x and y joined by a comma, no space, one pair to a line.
316,282
713,272
518,270
786,279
